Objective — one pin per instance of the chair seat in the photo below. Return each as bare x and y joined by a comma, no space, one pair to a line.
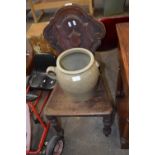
61,104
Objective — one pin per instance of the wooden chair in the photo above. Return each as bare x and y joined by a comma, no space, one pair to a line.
78,30
54,4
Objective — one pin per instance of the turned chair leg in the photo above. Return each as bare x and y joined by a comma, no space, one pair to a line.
108,121
56,123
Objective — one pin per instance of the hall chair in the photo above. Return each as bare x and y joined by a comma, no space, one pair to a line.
78,23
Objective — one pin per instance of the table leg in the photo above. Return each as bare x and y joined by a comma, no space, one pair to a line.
56,123
108,121
120,91
124,140
123,121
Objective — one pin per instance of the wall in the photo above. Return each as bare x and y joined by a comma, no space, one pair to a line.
98,4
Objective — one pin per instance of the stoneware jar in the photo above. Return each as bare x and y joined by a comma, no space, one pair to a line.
77,73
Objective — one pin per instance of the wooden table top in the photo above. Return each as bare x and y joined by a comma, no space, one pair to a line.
60,104
123,37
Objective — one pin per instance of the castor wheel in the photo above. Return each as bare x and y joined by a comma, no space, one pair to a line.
55,145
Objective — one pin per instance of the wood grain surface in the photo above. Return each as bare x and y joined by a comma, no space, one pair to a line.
61,104
123,102
123,36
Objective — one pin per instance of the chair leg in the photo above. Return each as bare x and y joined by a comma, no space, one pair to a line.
41,14
108,121
56,123
36,19
91,11
33,11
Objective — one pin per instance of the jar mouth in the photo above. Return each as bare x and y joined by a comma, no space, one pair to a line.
75,60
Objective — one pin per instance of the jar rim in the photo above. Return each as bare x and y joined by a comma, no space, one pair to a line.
75,50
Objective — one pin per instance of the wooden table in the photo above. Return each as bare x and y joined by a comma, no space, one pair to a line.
61,105
123,84
55,4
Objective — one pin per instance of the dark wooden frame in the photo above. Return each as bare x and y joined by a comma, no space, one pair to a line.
123,84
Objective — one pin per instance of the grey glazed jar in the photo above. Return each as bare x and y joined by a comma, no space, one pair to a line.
77,73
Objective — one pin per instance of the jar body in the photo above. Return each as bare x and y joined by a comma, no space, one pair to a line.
79,86
77,73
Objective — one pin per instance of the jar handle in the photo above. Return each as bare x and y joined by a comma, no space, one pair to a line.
97,64
51,71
